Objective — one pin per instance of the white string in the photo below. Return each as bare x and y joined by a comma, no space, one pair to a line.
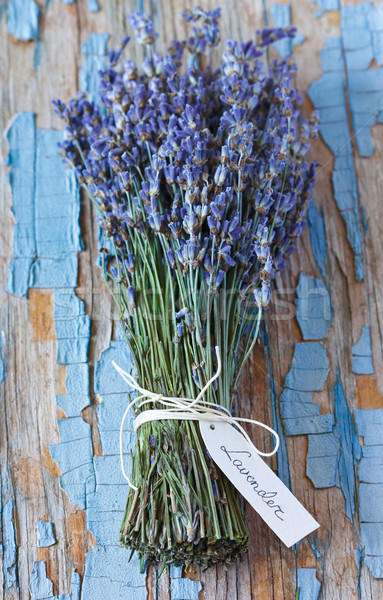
183,409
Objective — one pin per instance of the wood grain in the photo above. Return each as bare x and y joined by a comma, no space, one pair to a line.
28,408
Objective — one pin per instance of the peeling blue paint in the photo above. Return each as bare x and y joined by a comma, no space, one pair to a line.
41,588
23,19
3,357
328,95
37,54
317,236
332,457
362,38
362,354
281,14
309,368
95,60
313,307
74,453
108,574
183,588
308,373
307,584
93,6
74,456
72,332
8,546
322,460
370,474
350,450
46,536
47,234
326,6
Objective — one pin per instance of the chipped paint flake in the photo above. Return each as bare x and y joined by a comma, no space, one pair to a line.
94,50
108,574
74,453
328,96
332,457
3,357
309,368
41,588
183,588
313,308
46,206
370,474
23,19
362,354
322,460
350,450
308,584
362,38
281,14
308,373
317,236
9,547
93,6
46,536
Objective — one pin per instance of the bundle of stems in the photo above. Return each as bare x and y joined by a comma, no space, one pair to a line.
201,186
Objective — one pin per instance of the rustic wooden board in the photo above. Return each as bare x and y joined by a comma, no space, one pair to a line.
28,409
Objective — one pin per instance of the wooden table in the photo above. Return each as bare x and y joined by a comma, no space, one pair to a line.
32,73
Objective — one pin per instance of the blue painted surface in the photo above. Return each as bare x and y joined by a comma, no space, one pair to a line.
184,589
370,474
37,54
108,574
332,457
41,588
309,368
95,52
317,236
328,95
281,14
322,460
23,19
362,38
46,206
326,6
308,584
3,358
46,536
93,6
349,449
308,373
313,307
362,354
8,547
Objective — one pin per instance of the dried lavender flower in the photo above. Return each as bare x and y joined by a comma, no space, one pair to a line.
201,183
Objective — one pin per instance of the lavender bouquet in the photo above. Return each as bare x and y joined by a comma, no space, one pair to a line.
197,169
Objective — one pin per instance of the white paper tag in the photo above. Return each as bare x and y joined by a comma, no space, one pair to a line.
266,493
